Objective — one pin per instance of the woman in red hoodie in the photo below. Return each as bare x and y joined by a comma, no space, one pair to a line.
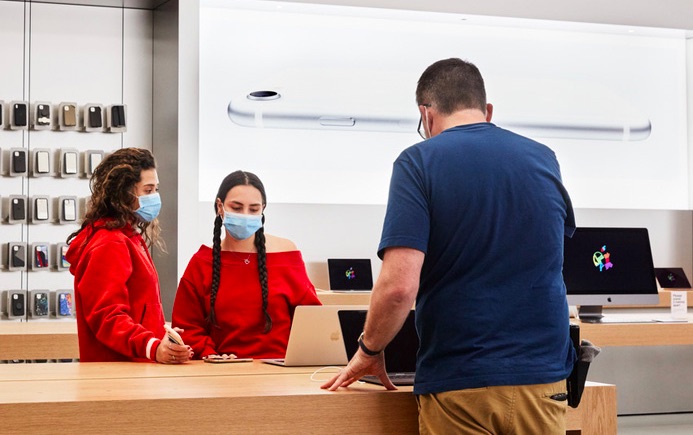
117,296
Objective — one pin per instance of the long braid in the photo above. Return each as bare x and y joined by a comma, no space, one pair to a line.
216,269
262,271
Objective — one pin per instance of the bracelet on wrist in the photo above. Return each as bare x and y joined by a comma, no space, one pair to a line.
365,349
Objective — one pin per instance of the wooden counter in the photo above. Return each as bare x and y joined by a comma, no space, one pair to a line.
58,340
38,340
234,398
637,334
328,297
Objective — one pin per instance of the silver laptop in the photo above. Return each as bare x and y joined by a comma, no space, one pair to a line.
349,275
315,338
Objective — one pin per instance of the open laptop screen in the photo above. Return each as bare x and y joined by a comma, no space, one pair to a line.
349,274
400,354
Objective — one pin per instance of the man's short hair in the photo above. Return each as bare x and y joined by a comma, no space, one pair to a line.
451,85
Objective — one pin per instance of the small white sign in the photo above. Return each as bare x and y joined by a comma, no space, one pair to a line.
679,305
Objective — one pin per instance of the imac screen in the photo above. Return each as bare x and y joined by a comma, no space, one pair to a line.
609,266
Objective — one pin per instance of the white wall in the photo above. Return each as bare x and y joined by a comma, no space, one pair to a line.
323,231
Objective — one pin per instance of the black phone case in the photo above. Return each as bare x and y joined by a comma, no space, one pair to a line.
20,115
19,161
18,305
118,116
95,118
18,209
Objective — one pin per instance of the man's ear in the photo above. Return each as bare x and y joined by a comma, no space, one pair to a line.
489,112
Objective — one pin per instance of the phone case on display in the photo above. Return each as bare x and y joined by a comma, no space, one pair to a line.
16,255
18,161
95,117
69,115
41,260
17,209
118,116
64,304
19,114
43,162
60,253
41,304
69,209
41,209
43,114
16,304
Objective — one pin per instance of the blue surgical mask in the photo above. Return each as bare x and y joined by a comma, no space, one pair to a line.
242,226
150,205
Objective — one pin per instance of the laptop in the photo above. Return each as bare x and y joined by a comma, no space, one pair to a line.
350,274
315,338
400,354
672,277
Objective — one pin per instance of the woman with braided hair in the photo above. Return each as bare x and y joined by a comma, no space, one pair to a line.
238,297
117,297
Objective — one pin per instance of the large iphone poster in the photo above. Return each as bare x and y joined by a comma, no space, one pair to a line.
319,100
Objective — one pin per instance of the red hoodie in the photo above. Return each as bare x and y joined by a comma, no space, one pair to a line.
117,296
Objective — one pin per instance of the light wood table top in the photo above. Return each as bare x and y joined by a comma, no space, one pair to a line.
328,297
129,370
637,334
235,398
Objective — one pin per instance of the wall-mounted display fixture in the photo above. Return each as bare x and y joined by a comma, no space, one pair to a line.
67,116
16,256
116,118
64,303
42,116
61,262
40,209
41,256
39,303
41,166
92,158
68,209
16,304
18,162
69,162
93,117
16,209
19,115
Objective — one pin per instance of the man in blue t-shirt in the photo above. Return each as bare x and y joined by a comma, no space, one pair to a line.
474,232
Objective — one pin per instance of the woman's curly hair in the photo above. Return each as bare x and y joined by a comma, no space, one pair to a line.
113,193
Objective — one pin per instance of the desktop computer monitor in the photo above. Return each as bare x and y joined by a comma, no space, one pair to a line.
608,266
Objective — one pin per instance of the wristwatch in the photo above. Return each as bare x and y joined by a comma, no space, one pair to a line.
366,350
